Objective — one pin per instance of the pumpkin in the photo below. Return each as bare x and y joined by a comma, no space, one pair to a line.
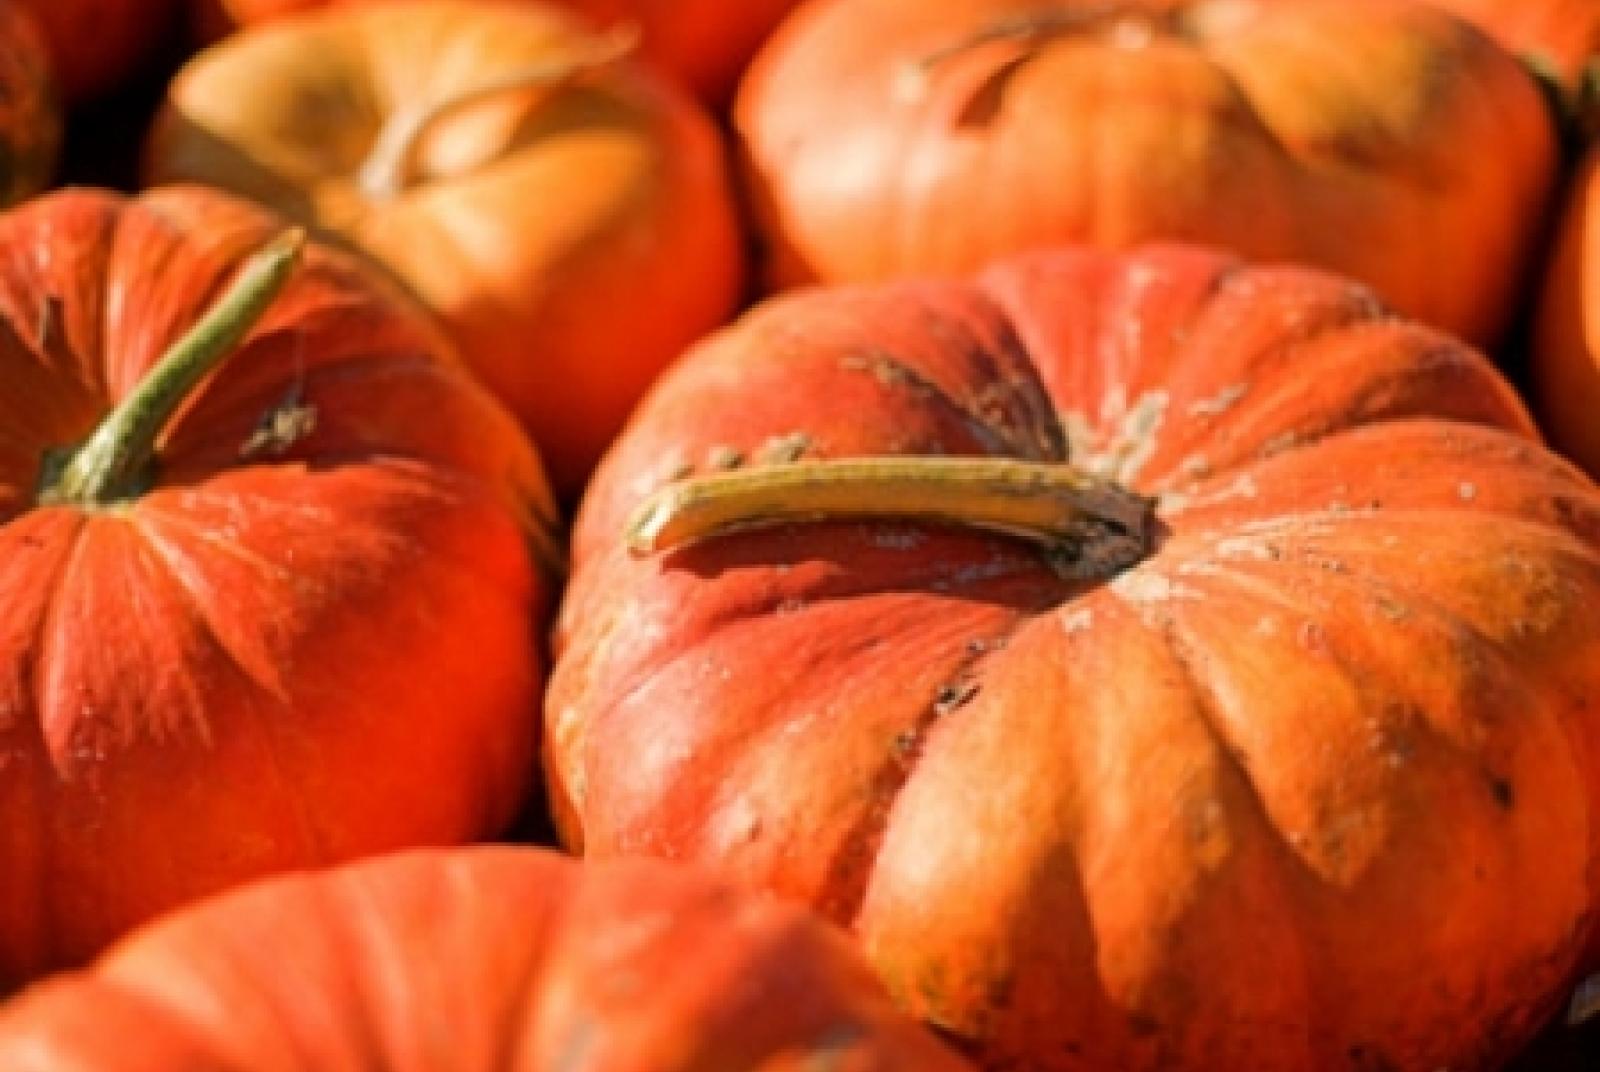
276,615
1159,663
567,216
704,43
1378,138
1561,35
96,45
1565,361
491,959
30,122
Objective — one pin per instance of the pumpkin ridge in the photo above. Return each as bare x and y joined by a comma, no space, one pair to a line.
874,822
1206,706
264,681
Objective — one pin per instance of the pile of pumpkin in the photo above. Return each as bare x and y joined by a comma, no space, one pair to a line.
1062,575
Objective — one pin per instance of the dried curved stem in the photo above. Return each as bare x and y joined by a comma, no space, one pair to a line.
387,168
1065,511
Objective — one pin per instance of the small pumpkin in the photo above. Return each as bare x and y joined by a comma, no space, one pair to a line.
30,119
704,43
568,216
474,960
1378,138
273,615
1159,663
96,45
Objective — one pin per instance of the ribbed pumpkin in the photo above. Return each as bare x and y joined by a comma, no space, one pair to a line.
474,960
568,216
1160,664
1379,138
272,615
30,120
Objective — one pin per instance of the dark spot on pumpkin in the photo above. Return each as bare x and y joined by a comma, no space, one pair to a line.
953,695
1143,1024
722,457
1503,791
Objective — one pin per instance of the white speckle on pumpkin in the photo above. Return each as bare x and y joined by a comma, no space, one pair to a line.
1468,491
1223,401
1147,586
1077,620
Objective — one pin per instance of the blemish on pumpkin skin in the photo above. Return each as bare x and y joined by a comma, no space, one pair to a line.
953,696
1503,792
1221,403
722,457
279,429
782,449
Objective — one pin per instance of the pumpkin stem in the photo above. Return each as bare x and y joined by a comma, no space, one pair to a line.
1091,525
1036,27
387,168
114,462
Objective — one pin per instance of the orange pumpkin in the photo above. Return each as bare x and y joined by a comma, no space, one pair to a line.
1566,350
474,960
30,122
283,618
705,43
1378,138
98,44
1563,35
1160,664
575,232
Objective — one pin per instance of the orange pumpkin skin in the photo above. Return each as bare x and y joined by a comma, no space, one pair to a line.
1312,787
704,43
1562,33
574,241
1349,135
97,44
1566,351
474,960
284,653
30,121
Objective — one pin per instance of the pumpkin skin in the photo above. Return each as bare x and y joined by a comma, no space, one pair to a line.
474,960
1563,33
1351,136
276,657
30,120
532,216
1566,351
704,43
98,44
1312,787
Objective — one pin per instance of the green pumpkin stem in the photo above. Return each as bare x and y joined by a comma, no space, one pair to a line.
114,463
387,168
1099,526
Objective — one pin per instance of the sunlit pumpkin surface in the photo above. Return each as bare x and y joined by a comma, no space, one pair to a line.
1313,785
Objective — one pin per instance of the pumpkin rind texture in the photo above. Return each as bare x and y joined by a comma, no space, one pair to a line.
1313,786
474,960
290,650
574,238
1381,139
30,119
